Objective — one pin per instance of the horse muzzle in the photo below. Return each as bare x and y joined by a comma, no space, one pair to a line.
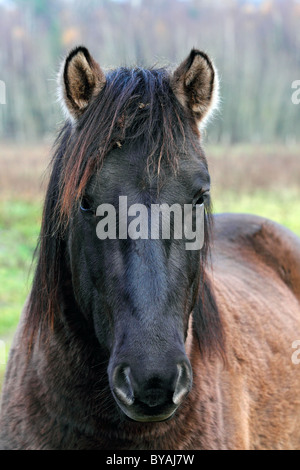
150,395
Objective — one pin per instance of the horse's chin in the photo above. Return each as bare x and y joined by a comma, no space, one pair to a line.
151,419
136,415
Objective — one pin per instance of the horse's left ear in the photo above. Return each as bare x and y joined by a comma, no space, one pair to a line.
195,84
80,79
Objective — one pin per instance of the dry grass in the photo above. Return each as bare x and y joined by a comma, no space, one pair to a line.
23,171
247,169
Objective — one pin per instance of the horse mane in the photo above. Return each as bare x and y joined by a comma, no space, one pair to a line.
132,102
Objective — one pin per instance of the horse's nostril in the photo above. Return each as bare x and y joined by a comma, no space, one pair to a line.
183,383
144,394
122,385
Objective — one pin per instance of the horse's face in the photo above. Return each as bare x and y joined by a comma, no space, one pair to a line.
138,292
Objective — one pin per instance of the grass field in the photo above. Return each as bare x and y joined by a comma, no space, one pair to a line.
260,180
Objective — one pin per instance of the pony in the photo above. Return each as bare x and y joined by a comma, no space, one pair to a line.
139,343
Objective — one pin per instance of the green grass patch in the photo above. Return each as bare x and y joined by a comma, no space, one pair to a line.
282,207
19,229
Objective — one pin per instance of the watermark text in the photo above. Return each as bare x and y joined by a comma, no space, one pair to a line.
296,94
2,92
296,354
157,221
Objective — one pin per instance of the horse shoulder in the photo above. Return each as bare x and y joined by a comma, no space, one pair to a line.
256,279
265,241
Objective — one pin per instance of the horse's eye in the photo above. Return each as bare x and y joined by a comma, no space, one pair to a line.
86,205
200,197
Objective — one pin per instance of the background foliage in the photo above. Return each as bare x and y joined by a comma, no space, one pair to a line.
256,47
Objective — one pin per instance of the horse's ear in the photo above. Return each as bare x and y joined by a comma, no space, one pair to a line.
195,84
81,78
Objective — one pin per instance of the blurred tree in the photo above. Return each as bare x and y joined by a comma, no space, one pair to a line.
256,46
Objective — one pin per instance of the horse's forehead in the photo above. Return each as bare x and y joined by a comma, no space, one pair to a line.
132,178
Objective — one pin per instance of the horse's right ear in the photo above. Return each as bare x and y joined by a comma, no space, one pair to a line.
80,79
195,85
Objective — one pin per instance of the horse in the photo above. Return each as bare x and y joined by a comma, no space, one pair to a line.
139,343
